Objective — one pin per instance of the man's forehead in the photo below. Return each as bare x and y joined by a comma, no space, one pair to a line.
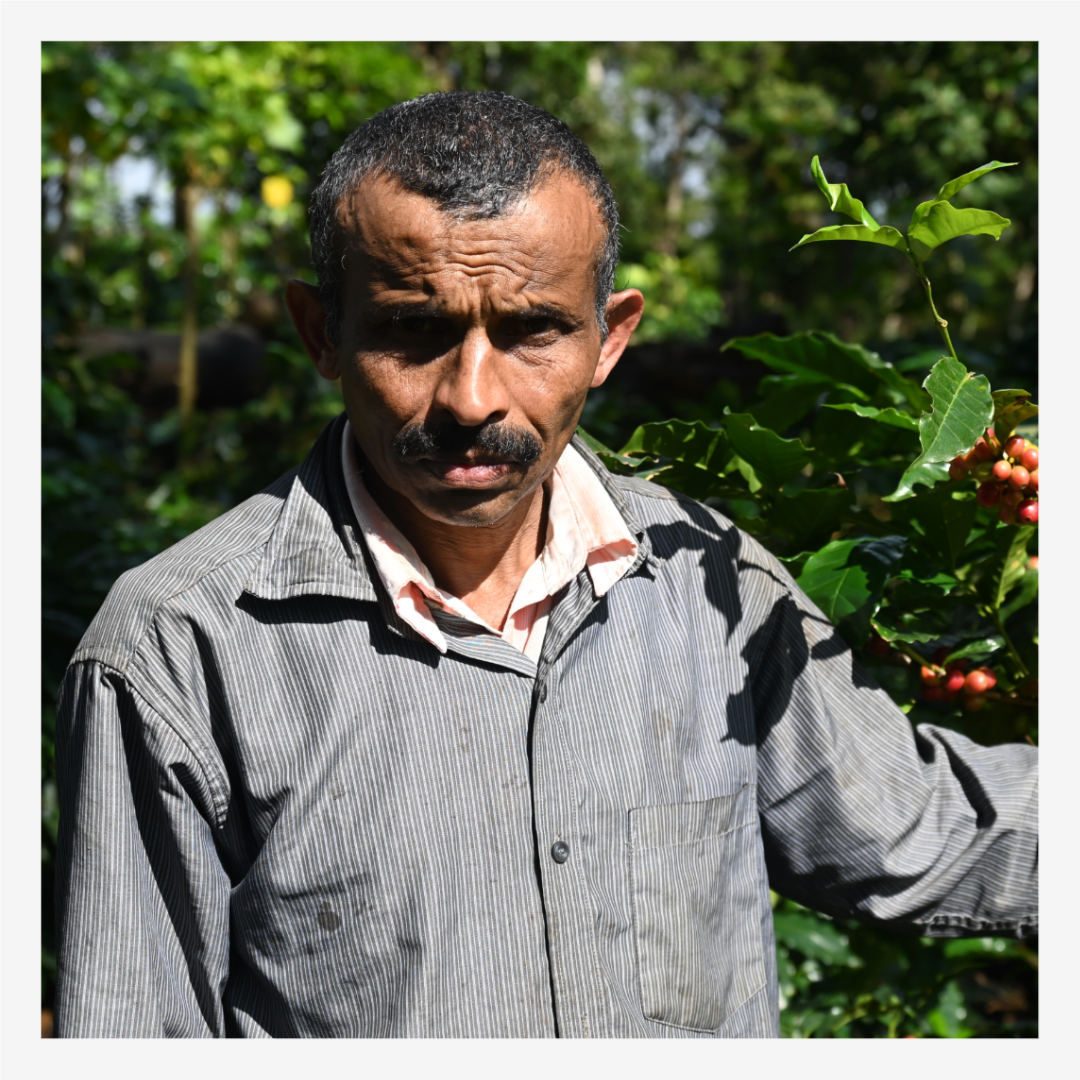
393,228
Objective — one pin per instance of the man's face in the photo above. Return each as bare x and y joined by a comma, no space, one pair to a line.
467,347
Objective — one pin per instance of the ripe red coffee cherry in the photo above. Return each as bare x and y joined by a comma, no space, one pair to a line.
969,459
1011,496
988,494
1033,562
1033,481
1019,477
1002,470
976,682
1030,458
954,681
982,450
957,469
991,678
1015,446
974,702
1028,512
929,676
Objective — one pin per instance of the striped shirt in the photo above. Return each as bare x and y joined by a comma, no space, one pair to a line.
584,530
284,812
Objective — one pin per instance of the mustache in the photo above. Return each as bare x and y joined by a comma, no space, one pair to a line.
453,440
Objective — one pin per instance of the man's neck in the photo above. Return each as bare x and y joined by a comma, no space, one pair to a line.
481,565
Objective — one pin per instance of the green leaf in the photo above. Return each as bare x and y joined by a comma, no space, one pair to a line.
1024,595
945,517
846,579
962,410
1011,408
808,520
979,649
788,398
1009,563
817,354
953,186
941,222
609,456
886,235
892,417
840,199
813,937
908,626
693,443
773,459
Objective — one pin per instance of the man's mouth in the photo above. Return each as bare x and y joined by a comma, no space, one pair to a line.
462,472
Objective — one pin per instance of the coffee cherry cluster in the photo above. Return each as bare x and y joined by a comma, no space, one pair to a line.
1008,476
943,682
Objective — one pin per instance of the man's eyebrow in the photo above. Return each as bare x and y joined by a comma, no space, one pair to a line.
413,309
545,310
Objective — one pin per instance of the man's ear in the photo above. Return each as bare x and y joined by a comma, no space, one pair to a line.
309,318
624,310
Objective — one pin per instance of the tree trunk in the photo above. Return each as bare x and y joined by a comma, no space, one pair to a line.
188,375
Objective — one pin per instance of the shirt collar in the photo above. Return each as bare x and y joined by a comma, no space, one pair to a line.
317,548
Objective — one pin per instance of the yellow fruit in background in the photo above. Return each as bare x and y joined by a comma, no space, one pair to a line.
277,191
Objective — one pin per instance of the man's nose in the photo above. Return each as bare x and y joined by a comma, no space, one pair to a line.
472,388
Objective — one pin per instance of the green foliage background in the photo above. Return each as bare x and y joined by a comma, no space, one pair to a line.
707,146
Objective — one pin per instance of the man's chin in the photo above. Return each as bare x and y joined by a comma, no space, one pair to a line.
474,504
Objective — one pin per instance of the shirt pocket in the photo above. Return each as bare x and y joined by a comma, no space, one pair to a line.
697,919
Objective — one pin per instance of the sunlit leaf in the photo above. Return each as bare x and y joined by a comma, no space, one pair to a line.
840,199
962,410
607,455
953,186
773,459
1008,563
846,579
977,650
1011,408
813,937
892,417
694,443
942,222
886,235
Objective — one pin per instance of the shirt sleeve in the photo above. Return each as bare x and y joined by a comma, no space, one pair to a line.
917,829
142,898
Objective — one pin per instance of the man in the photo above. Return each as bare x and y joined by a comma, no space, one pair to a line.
449,732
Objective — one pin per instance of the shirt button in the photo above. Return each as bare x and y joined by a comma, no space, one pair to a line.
560,851
542,695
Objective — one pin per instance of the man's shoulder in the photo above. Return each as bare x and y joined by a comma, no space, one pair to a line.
652,504
217,558
681,528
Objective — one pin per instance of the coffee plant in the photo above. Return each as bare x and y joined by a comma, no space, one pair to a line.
909,514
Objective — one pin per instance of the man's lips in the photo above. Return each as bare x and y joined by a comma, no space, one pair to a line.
462,472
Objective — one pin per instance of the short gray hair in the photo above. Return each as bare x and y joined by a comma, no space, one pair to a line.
478,153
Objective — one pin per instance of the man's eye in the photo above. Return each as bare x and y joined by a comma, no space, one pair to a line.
526,328
419,326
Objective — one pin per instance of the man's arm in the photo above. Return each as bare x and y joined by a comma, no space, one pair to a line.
921,830
142,898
